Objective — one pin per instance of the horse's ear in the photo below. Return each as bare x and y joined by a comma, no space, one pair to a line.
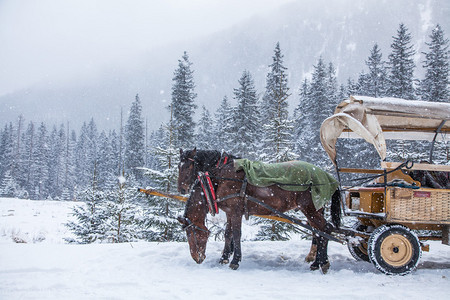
194,152
181,152
182,220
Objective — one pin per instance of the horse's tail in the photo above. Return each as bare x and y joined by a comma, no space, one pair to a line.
336,208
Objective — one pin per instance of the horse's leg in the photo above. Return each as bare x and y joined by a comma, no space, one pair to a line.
229,247
236,225
322,256
313,251
317,220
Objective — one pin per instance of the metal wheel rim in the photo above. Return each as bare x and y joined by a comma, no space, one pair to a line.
396,250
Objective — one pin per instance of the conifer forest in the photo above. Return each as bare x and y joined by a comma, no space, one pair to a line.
103,168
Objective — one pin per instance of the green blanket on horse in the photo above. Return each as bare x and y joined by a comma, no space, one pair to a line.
291,176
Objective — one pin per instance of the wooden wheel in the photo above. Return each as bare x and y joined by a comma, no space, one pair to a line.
394,249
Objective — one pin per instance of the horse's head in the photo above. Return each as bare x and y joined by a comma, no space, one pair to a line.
187,170
193,222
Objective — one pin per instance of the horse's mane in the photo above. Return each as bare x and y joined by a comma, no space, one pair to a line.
207,159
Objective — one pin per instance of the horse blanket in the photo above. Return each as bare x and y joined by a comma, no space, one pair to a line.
291,176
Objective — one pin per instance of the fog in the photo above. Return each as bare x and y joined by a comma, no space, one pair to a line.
51,41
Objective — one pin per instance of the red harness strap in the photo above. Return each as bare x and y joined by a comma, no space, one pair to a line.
211,189
225,159
208,191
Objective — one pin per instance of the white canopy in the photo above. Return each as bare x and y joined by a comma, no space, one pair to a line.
377,119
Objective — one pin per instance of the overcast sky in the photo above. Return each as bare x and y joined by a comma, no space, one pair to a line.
45,41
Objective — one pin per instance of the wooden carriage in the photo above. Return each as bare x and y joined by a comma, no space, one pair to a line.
396,212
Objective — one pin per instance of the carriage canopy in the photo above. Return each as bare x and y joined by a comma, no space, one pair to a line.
378,119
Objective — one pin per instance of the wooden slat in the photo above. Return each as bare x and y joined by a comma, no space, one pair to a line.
364,171
425,167
163,194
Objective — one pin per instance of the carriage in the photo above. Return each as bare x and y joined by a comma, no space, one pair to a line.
405,203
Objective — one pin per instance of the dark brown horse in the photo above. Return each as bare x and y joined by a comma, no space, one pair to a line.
227,182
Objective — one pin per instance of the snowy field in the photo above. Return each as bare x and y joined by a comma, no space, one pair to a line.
35,263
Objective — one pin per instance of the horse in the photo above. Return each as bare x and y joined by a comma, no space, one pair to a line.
222,166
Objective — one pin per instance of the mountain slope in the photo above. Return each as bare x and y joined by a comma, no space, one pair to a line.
341,31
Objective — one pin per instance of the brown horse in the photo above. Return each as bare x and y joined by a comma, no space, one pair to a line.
228,182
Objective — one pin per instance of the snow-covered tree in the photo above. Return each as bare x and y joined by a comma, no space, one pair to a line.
376,78
135,140
401,66
278,128
205,131
224,126
247,119
9,186
41,178
161,222
121,213
435,85
86,153
90,224
183,105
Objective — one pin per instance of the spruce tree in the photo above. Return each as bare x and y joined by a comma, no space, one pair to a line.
376,78
247,120
316,107
41,177
223,129
182,104
278,128
401,65
135,140
6,150
91,217
161,222
121,214
205,136
435,85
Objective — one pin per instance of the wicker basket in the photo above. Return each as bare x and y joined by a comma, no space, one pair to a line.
430,206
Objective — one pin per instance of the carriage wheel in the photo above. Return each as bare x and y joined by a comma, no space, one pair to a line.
359,251
394,249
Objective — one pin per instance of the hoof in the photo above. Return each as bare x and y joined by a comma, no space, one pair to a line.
224,261
323,267
234,266
314,267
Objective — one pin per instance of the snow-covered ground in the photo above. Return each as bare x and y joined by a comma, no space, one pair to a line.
44,267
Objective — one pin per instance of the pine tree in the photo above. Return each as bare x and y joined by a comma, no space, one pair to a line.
376,79
121,224
135,140
278,128
86,153
41,177
183,106
6,150
161,221
224,126
401,65
247,120
435,85
9,186
90,224
205,136
316,108
69,165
